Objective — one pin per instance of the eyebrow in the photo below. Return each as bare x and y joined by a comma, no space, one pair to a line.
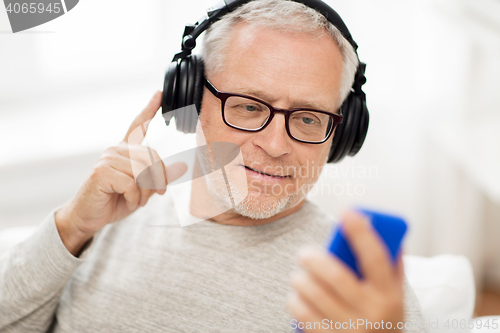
299,104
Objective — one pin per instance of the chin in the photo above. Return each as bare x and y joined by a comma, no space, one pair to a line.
250,201
259,206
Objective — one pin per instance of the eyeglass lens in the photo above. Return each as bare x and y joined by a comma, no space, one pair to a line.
304,125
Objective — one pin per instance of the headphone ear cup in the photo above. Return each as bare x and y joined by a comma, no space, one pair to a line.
349,138
180,118
168,102
363,129
199,87
184,87
192,109
352,131
188,113
182,83
189,80
191,73
341,132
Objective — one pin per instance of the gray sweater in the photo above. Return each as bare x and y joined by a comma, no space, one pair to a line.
147,274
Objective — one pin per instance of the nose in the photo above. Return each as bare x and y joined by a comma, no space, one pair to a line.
274,139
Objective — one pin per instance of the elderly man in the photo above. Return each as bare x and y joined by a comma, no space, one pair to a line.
80,272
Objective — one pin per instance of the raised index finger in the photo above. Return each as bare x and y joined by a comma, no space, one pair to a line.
143,119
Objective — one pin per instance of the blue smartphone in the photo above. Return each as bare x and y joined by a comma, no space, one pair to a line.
390,228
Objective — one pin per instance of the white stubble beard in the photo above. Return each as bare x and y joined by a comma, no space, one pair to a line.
253,204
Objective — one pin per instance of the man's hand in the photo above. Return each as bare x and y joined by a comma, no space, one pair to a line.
330,290
110,192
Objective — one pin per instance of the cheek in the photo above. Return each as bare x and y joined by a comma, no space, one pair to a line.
313,160
209,121
213,128
318,153
325,150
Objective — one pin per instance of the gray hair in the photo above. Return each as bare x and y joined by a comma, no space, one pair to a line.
283,15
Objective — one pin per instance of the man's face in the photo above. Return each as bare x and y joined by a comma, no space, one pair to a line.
287,71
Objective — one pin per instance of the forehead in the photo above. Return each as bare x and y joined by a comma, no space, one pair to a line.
293,69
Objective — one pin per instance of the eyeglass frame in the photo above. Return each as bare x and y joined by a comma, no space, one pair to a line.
223,96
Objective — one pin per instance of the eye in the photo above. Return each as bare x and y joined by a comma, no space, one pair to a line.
307,120
250,108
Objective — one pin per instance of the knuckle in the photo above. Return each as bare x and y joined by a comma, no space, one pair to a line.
316,293
107,159
109,151
337,276
130,186
378,258
123,145
100,170
108,154
305,283
132,147
137,152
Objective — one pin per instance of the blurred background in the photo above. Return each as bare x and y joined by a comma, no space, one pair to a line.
70,88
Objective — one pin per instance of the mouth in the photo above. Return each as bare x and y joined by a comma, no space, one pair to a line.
266,174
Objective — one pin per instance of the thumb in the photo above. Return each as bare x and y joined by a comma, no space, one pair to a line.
175,171
157,176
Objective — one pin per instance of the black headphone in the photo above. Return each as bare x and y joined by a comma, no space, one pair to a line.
183,87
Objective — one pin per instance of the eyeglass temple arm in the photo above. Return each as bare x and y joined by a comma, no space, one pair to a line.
210,87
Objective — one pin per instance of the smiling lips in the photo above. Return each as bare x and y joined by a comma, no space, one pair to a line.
265,174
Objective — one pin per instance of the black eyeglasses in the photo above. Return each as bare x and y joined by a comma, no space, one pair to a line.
250,114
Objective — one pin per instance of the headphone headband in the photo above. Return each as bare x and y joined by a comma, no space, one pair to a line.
191,32
327,11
